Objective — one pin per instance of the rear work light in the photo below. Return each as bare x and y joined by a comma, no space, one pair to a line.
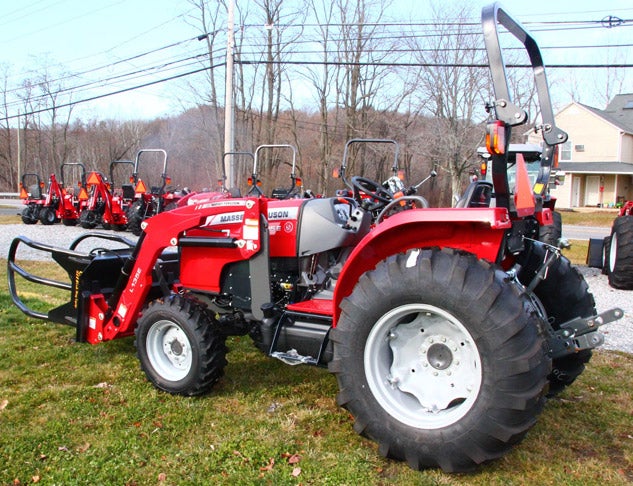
496,138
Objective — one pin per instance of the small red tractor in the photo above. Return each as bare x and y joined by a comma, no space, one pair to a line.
33,197
617,250
151,194
107,206
61,203
446,328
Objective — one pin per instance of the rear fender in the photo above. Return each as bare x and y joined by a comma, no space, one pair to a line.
473,230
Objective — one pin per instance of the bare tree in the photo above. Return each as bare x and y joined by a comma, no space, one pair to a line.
453,89
210,20
322,78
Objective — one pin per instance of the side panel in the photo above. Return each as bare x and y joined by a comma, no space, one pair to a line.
283,223
201,264
477,231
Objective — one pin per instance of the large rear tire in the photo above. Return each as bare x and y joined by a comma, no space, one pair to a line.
440,359
178,347
564,295
620,260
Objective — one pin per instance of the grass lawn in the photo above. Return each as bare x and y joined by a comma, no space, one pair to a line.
10,219
79,414
577,254
589,218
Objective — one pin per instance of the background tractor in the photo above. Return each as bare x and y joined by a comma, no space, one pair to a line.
107,204
615,253
152,196
33,197
64,203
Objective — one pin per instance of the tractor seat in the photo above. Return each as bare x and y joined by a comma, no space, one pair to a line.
36,191
128,191
279,193
477,195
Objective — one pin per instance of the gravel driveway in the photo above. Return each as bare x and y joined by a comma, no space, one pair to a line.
618,335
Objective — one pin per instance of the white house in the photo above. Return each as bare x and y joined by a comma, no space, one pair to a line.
598,156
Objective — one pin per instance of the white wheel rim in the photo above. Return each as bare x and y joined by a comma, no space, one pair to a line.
613,252
422,366
169,350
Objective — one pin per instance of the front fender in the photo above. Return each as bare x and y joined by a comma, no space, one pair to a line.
475,230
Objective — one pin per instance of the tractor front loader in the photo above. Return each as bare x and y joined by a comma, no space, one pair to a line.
446,328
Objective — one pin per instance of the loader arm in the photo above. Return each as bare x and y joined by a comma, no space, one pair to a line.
106,319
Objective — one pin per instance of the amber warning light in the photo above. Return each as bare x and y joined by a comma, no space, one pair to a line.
496,138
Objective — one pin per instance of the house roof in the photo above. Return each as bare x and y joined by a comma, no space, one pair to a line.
596,167
618,112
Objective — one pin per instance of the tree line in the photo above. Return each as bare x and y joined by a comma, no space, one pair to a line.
426,89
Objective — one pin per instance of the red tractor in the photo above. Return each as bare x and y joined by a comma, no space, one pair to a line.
62,203
106,205
152,195
446,328
32,194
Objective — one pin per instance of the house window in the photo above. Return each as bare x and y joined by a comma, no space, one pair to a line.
628,105
565,151
579,148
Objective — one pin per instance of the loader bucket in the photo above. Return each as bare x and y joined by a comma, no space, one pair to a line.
94,272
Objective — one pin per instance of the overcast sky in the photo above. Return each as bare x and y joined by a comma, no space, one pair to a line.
81,35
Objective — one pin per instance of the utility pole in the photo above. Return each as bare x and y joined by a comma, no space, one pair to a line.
229,115
19,151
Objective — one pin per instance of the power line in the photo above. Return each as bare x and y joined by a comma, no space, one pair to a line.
384,34
125,90
437,64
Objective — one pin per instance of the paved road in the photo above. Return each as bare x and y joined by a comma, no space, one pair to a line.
10,206
585,232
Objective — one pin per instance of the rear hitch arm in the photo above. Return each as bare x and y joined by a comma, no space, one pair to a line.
580,333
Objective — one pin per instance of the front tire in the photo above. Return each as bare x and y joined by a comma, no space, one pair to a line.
88,219
135,216
178,348
48,216
620,260
440,359
30,214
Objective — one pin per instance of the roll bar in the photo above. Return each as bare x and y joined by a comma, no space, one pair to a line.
504,109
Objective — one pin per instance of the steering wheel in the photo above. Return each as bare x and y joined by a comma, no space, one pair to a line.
373,189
